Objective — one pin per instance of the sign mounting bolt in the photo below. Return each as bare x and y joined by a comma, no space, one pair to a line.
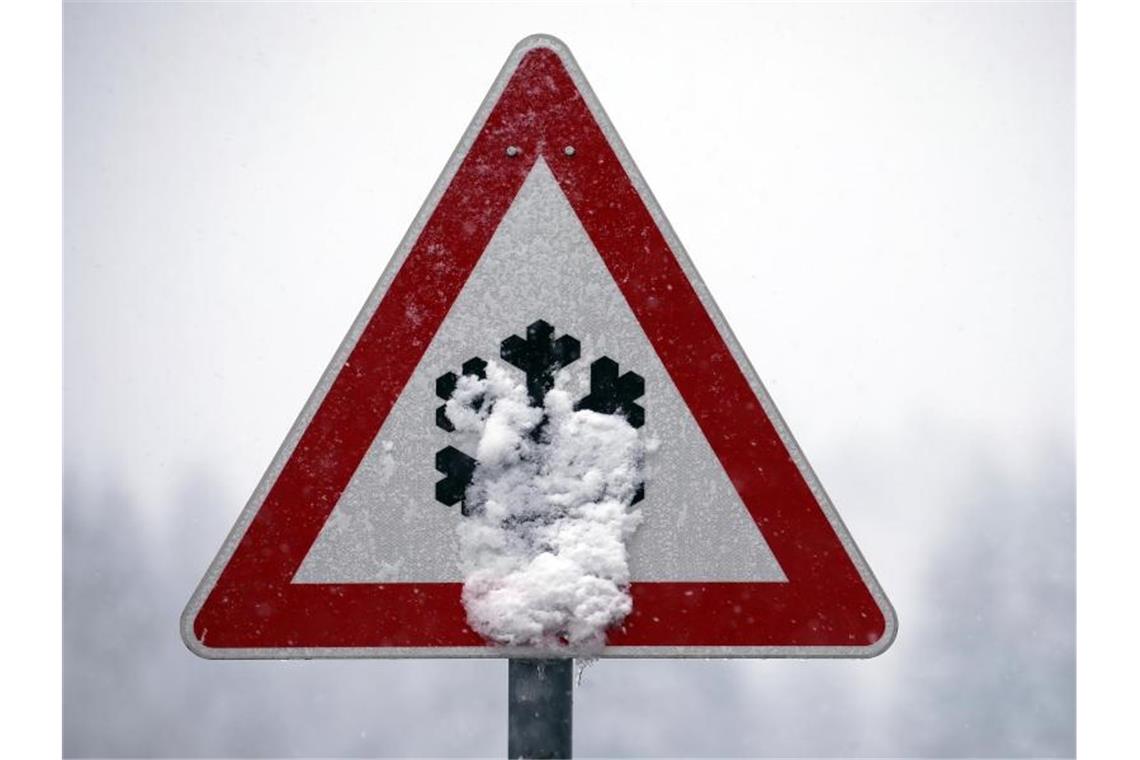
568,150
513,150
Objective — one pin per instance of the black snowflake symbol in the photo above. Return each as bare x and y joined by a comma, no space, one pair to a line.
540,356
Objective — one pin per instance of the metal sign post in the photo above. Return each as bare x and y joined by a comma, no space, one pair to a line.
540,708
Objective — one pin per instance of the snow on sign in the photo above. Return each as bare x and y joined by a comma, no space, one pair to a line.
539,435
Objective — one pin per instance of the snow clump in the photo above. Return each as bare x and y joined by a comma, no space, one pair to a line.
543,550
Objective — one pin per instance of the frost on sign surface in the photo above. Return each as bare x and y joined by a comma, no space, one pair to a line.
547,495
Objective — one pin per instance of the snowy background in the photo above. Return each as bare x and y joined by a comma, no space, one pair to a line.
879,197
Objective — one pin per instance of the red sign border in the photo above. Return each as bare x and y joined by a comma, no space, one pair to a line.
831,604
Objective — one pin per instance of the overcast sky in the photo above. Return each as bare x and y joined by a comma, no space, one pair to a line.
879,197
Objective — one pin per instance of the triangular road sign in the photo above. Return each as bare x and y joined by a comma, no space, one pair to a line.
540,221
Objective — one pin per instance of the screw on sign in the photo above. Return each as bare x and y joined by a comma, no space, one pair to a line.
541,352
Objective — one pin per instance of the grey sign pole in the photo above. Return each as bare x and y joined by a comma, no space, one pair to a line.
540,712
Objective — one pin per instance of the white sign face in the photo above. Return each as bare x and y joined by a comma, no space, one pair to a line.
540,264
542,259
